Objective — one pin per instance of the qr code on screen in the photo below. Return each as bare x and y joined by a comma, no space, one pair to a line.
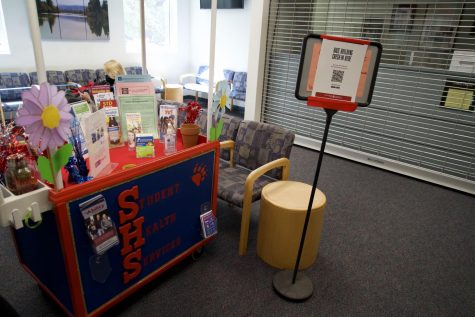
337,76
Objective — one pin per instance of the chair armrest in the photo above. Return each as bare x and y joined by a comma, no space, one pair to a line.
228,145
15,88
258,172
184,76
247,200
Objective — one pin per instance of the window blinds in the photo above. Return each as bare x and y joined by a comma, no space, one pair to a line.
422,112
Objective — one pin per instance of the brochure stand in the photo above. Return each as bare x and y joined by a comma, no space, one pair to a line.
90,245
335,74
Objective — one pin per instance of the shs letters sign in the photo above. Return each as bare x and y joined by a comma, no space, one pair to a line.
157,217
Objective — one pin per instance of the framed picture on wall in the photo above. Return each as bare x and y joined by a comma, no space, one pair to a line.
458,95
402,17
83,20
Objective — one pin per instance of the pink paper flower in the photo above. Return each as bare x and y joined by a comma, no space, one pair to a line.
45,116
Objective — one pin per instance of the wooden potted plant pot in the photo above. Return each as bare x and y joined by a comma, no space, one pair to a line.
189,134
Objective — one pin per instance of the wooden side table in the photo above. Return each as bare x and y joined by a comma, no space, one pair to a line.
174,92
282,215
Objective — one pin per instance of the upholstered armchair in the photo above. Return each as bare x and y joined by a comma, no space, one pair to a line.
133,70
53,77
12,85
196,82
229,75
100,75
80,76
238,92
258,156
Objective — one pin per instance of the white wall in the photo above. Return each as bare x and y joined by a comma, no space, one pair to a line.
62,55
191,48
232,37
257,49
21,56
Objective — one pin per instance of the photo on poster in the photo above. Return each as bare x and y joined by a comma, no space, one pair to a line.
167,119
100,228
134,127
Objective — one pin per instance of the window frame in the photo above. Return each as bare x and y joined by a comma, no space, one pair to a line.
132,48
4,44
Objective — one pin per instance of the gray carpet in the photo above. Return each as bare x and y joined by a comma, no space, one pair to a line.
391,246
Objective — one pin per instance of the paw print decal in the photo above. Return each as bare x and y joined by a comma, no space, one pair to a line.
199,174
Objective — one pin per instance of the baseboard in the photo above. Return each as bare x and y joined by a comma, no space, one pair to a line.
391,165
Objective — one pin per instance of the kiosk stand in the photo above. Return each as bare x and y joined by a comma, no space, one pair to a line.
150,217
335,73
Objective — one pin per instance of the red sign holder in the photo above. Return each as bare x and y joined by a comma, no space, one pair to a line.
333,101
331,104
294,285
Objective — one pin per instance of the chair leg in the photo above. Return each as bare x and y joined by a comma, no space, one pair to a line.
245,220
244,232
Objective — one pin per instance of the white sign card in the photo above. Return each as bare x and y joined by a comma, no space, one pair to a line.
81,109
339,70
97,142
103,96
463,61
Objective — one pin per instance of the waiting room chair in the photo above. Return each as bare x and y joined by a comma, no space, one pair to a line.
133,70
197,82
239,88
80,76
12,85
54,77
258,156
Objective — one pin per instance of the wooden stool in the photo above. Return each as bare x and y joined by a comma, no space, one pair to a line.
281,219
174,92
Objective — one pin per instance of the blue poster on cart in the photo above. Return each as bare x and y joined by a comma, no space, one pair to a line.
156,217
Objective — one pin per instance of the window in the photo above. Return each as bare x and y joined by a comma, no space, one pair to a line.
422,112
160,24
4,47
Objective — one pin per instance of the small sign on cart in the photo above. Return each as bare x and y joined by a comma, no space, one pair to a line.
209,224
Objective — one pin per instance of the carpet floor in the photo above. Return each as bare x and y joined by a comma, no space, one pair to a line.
391,246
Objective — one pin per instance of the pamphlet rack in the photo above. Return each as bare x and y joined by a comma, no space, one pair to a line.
155,206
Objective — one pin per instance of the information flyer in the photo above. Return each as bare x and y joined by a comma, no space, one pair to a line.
97,142
168,116
339,70
81,109
129,88
145,105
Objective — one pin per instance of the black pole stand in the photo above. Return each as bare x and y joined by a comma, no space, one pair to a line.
288,284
